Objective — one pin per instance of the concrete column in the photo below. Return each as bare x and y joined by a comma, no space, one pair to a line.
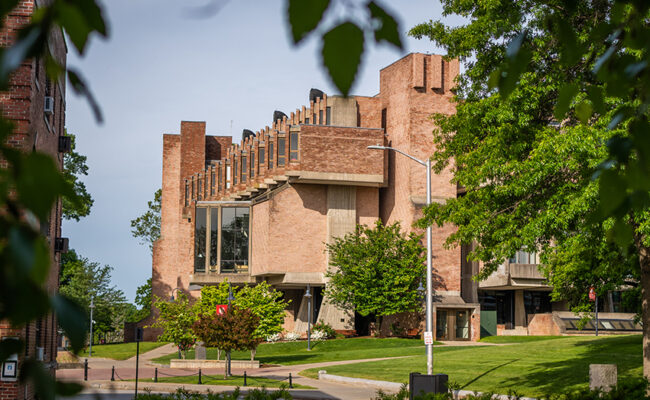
520,310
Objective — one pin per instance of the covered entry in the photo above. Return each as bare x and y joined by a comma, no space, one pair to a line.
453,324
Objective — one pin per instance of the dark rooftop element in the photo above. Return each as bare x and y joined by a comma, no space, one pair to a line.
246,133
278,115
315,94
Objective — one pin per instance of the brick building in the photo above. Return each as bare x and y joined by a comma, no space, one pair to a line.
264,209
36,106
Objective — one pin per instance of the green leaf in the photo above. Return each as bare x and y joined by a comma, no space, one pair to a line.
570,50
68,389
80,86
39,183
73,320
304,16
613,192
567,92
92,14
11,58
9,347
388,29
44,383
596,96
342,50
621,233
584,111
74,22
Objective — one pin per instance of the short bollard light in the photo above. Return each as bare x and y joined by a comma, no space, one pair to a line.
155,375
290,381
113,373
244,378
86,370
200,383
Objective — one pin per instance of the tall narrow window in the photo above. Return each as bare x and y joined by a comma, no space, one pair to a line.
219,179
293,146
213,182
244,169
200,227
206,185
271,155
193,189
227,176
252,165
281,151
313,121
328,116
187,193
234,239
199,186
307,121
234,175
320,117
214,238
261,152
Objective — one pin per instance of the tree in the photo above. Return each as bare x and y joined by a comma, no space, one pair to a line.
376,270
264,301
545,163
143,299
74,166
82,280
233,330
147,226
176,318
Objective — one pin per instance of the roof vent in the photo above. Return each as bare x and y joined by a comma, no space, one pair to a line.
278,115
315,94
246,133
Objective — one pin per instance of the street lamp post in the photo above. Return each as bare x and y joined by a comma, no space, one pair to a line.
429,294
231,298
92,306
308,297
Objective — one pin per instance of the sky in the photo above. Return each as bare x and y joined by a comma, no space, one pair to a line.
167,61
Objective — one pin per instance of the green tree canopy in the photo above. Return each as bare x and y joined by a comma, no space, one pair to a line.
376,270
533,158
176,318
147,226
74,167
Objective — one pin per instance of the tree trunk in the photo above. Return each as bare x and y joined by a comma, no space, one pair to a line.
184,354
644,261
253,351
218,354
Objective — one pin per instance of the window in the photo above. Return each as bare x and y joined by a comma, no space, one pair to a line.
320,117
293,146
227,176
313,120
193,189
244,169
219,177
200,227
187,193
234,238
212,181
199,186
234,175
252,165
281,151
261,152
214,238
306,120
328,115
270,155
523,257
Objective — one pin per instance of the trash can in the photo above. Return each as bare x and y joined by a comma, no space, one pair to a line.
421,384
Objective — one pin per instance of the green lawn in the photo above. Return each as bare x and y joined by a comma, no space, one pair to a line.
291,353
519,339
120,351
232,381
532,368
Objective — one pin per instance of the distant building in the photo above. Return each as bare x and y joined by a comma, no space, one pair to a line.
36,106
265,208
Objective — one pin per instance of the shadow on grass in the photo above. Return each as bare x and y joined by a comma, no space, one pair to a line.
488,371
569,373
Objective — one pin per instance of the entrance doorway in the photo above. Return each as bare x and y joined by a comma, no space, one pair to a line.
452,324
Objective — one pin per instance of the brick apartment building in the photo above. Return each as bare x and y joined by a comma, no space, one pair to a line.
36,105
265,208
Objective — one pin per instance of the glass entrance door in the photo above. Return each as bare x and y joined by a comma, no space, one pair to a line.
462,325
441,325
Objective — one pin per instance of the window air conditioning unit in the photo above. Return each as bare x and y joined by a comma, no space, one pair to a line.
65,144
61,245
48,108
40,353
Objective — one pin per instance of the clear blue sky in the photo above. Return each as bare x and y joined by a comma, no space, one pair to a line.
163,64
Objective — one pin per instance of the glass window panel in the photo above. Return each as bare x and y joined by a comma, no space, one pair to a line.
214,237
187,194
306,120
244,168
212,181
262,150
271,155
462,325
281,151
200,227
252,164
328,115
293,146
320,117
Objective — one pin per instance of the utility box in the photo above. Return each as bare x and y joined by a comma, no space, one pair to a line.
420,384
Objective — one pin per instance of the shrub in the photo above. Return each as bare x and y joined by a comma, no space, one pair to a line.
253,394
274,338
318,335
327,328
292,336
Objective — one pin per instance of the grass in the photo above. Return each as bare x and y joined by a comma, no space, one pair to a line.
254,381
532,368
120,351
519,339
292,353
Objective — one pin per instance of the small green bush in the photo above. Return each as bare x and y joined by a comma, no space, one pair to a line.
253,394
326,328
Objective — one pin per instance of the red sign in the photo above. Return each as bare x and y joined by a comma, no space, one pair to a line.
221,309
592,294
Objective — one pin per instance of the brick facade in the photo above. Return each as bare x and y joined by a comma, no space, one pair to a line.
35,130
306,178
